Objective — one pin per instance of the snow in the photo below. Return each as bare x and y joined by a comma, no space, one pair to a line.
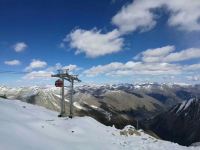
184,105
137,86
66,100
28,127
188,103
94,107
181,106
77,105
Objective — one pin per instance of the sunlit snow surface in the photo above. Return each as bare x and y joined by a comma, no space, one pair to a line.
28,127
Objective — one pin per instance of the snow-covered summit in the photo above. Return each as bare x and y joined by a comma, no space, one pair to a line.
24,126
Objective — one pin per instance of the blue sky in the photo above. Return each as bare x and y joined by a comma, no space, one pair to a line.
105,41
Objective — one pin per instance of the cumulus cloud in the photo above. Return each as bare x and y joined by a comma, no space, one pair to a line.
183,14
102,69
12,62
166,54
71,67
186,54
42,74
158,61
45,74
94,43
19,47
163,51
132,68
35,64
139,15
157,54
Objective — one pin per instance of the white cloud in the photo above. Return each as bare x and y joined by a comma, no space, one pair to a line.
71,67
102,69
46,73
12,62
132,68
56,67
37,75
186,54
157,54
19,47
136,15
193,67
194,78
94,43
183,14
35,64
158,61
139,15
163,51
166,54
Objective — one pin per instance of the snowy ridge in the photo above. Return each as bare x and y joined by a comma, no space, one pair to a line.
181,106
32,127
189,103
90,88
186,104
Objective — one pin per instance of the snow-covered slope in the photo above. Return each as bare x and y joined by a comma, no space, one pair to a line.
28,127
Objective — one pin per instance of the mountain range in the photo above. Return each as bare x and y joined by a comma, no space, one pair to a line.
117,104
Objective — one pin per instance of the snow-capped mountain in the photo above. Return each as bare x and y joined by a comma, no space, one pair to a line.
24,126
180,124
42,96
115,104
168,94
118,104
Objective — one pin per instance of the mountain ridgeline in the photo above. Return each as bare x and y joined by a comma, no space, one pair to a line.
121,105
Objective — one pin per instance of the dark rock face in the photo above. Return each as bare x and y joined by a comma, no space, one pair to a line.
158,96
183,94
181,124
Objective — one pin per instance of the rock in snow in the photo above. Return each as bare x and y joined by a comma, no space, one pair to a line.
28,127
